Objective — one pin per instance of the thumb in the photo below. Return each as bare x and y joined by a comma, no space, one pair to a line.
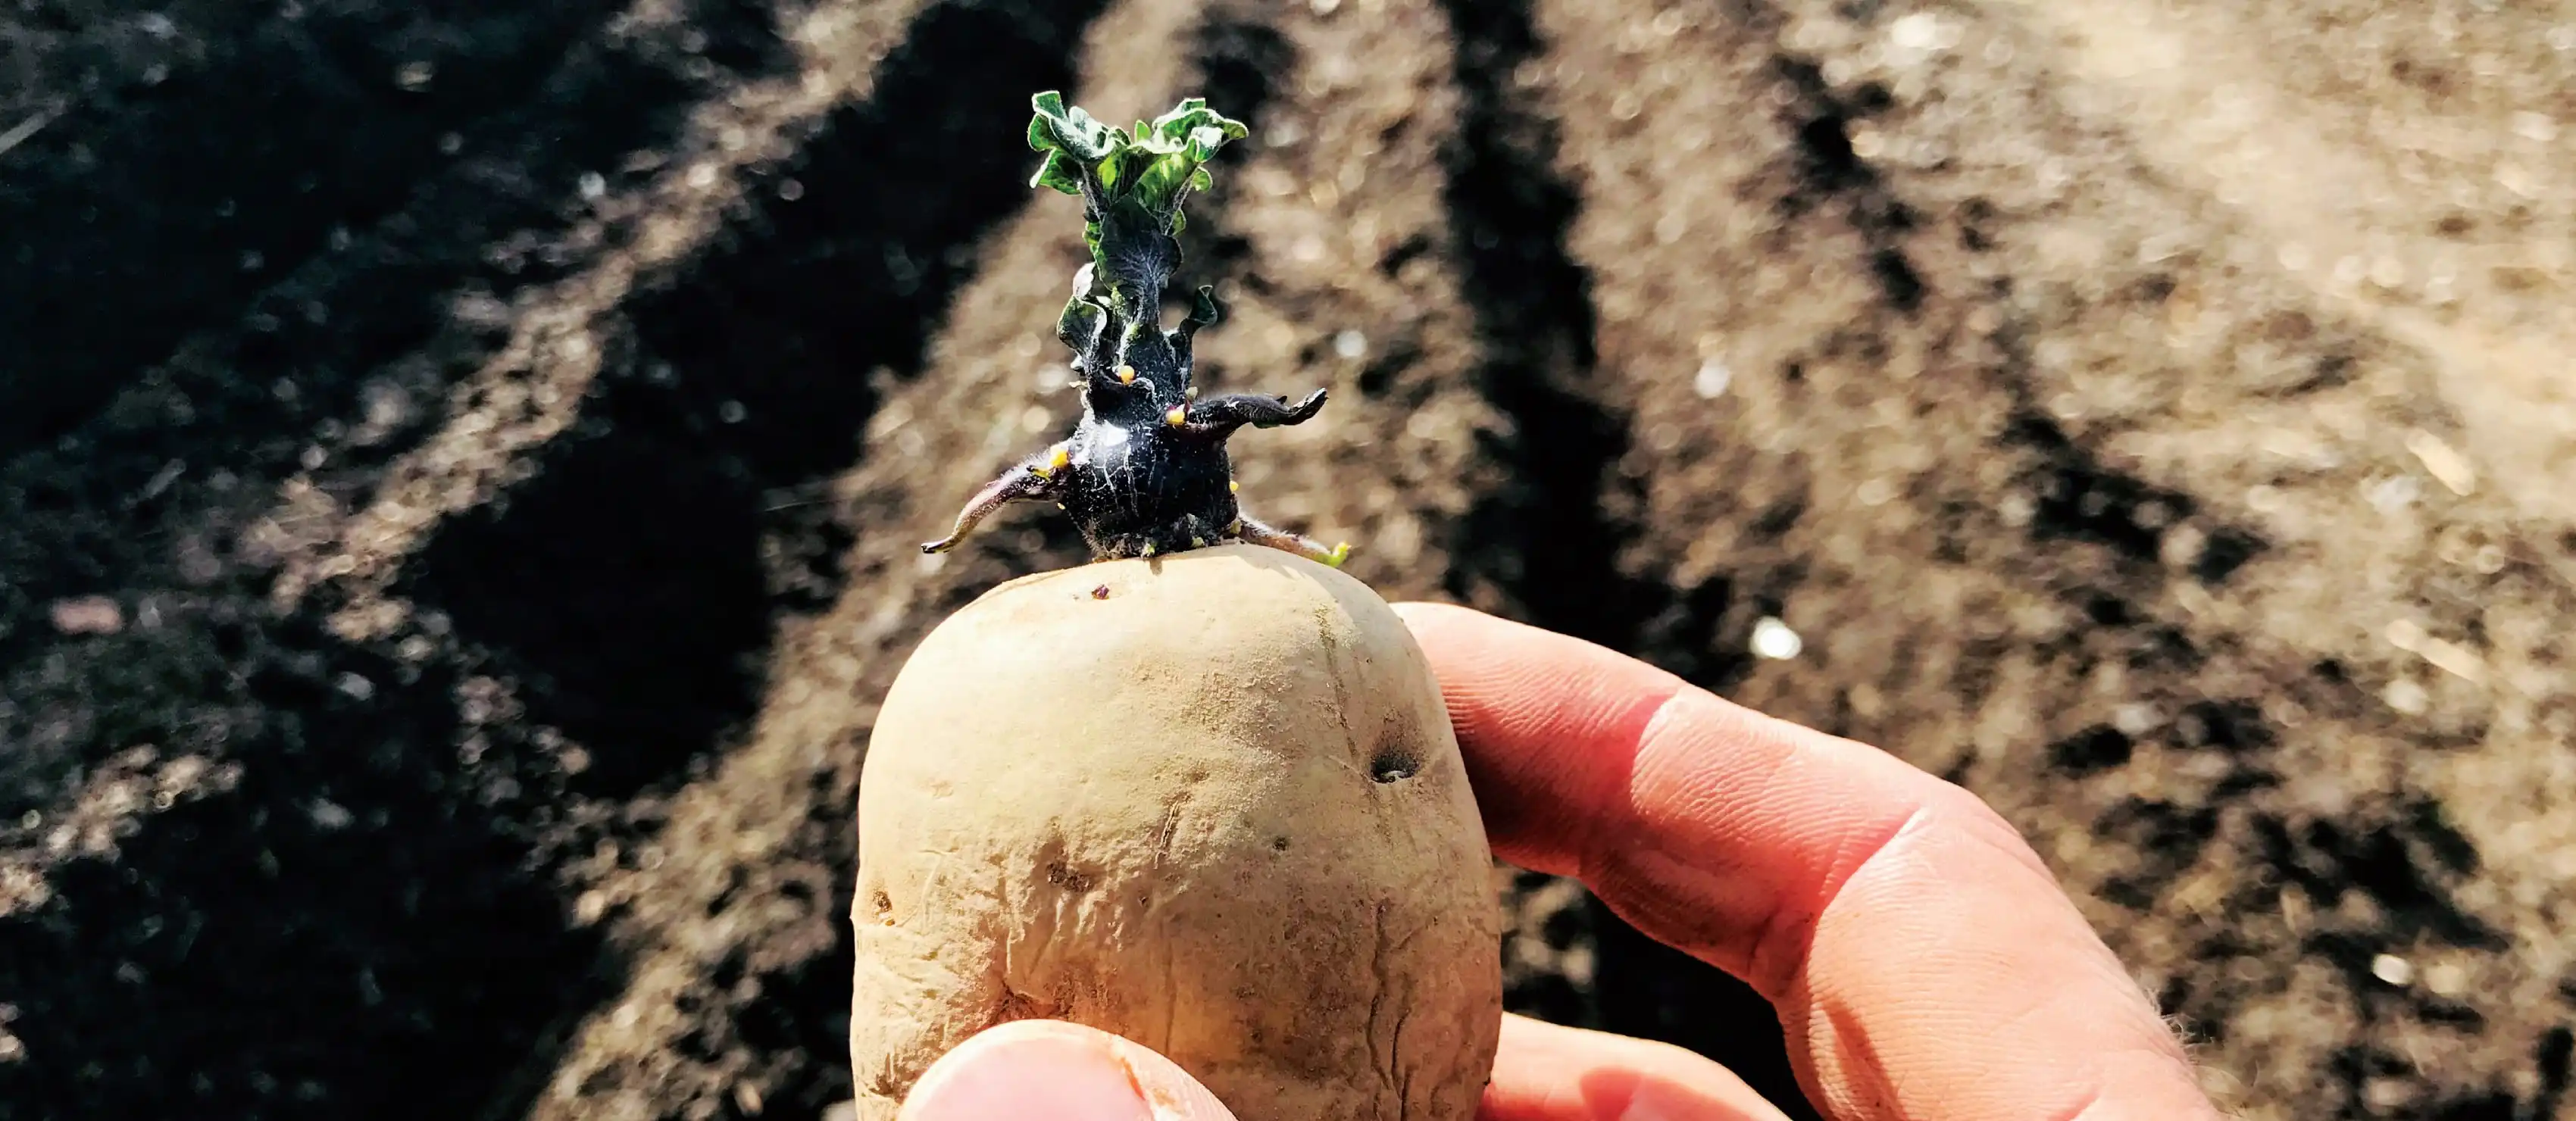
1057,1070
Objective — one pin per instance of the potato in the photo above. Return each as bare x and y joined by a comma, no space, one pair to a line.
1210,802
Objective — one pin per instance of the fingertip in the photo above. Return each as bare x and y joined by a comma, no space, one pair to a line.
1058,1070
1550,1072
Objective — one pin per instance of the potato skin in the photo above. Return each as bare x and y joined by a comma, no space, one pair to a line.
1218,810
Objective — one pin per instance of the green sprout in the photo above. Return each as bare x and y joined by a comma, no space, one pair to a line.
1145,472
1132,185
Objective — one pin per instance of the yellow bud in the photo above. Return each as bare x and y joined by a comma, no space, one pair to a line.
1126,375
1177,417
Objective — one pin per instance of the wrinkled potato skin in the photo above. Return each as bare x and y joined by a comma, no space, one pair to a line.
1168,813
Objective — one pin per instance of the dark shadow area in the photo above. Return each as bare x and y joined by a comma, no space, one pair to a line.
624,583
2082,500
152,491
1652,990
1535,980
2079,498
2098,748
2355,1066
1543,534
1544,537
800,1022
1830,170
2168,838
143,210
2390,864
351,932
2401,856
781,1007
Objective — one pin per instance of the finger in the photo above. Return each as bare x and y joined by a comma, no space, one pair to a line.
1544,1072
1924,962
1058,1071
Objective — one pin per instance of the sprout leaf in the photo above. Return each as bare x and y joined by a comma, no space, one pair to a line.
1132,183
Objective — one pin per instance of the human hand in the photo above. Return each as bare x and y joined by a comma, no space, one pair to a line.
1923,961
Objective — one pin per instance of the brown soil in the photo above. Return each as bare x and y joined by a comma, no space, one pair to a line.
459,473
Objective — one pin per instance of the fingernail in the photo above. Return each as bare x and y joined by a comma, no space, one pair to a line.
1059,1071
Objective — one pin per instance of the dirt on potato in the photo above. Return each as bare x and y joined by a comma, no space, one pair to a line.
461,469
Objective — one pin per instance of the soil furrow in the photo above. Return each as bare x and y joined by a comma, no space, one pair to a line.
1906,353
184,218
532,390
173,496
323,838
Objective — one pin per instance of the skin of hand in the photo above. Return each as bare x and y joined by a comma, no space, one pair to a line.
1924,962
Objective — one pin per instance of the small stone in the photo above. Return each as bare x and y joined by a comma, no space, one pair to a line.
1712,379
331,816
2443,462
2393,970
2407,697
88,615
1774,640
2135,719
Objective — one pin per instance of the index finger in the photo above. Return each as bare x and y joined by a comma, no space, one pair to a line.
1924,962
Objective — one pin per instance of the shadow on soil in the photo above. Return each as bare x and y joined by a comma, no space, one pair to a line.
353,931
140,211
149,492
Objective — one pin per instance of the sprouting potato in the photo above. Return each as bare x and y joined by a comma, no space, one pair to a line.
1145,470
1209,802
1199,793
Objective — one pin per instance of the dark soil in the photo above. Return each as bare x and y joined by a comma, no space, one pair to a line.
460,467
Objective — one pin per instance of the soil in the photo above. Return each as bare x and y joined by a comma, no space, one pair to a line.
461,467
